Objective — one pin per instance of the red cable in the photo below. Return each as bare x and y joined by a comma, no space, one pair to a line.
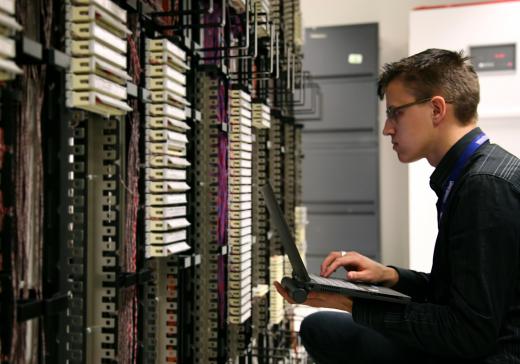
3,148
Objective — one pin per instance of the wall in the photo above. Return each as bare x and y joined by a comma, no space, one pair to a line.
392,16
458,28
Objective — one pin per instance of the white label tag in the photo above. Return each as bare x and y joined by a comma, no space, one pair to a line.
355,58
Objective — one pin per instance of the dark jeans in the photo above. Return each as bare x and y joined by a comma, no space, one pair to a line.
333,337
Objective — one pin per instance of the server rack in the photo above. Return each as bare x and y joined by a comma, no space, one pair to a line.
115,127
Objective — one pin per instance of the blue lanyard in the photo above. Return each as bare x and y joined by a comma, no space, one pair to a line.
456,171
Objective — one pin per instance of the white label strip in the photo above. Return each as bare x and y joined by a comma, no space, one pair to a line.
165,212
240,257
167,161
164,57
166,123
94,48
94,82
165,174
240,206
170,148
240,181
239,94
236,189
101,68
236,129
165,84
7,47
165,71
240,214
165,110
165,238
165,199
98,103
261,107
108,5
240,172
239,249
240,120
7,6
164,44
166,224
241,146
158,135
238,224
165,96
9,22
166,187
84,14
92,30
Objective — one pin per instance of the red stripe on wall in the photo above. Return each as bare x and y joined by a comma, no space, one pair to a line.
461,5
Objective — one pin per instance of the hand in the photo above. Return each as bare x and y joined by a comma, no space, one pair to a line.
360,268
320,299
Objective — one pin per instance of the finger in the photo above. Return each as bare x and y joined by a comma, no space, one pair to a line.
328,260
333,265
325,263
283,292
348,261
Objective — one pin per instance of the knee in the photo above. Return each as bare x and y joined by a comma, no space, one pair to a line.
310,328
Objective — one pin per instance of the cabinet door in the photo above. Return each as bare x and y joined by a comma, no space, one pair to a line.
340,143
341,50
345,104
335,172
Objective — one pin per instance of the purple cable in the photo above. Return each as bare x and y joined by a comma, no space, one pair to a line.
222,168
213,36
222,202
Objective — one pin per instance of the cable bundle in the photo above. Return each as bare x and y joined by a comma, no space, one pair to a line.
128,313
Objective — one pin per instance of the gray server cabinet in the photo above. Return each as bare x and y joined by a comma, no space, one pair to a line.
347,106
327,50
341,164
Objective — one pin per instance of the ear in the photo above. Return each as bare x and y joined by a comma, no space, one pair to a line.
439,109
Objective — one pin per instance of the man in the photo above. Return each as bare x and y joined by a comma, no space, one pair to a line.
467,310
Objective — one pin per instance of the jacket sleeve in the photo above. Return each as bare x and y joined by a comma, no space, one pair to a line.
483,250
412,283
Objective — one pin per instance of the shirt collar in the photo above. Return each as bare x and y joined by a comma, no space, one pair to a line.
443,170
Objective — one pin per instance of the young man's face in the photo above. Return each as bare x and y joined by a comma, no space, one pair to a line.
409,127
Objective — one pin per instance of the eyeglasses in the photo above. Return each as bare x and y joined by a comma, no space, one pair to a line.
391,111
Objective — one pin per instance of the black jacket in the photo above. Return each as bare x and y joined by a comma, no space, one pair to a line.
468,308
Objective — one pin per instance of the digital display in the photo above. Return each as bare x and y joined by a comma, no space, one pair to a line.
493,57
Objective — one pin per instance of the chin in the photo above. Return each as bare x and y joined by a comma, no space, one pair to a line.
403,158
411,160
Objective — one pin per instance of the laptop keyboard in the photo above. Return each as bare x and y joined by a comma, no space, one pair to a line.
335,282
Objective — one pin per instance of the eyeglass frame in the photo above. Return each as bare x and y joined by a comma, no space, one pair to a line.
391,110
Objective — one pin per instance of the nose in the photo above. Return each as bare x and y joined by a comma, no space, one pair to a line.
388,129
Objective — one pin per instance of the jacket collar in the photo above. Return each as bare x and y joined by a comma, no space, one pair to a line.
443,170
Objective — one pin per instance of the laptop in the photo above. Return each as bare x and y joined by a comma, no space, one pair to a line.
301,279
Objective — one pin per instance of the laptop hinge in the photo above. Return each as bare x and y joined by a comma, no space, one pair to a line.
297,278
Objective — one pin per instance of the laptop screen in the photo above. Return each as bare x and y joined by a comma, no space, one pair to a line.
278,220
